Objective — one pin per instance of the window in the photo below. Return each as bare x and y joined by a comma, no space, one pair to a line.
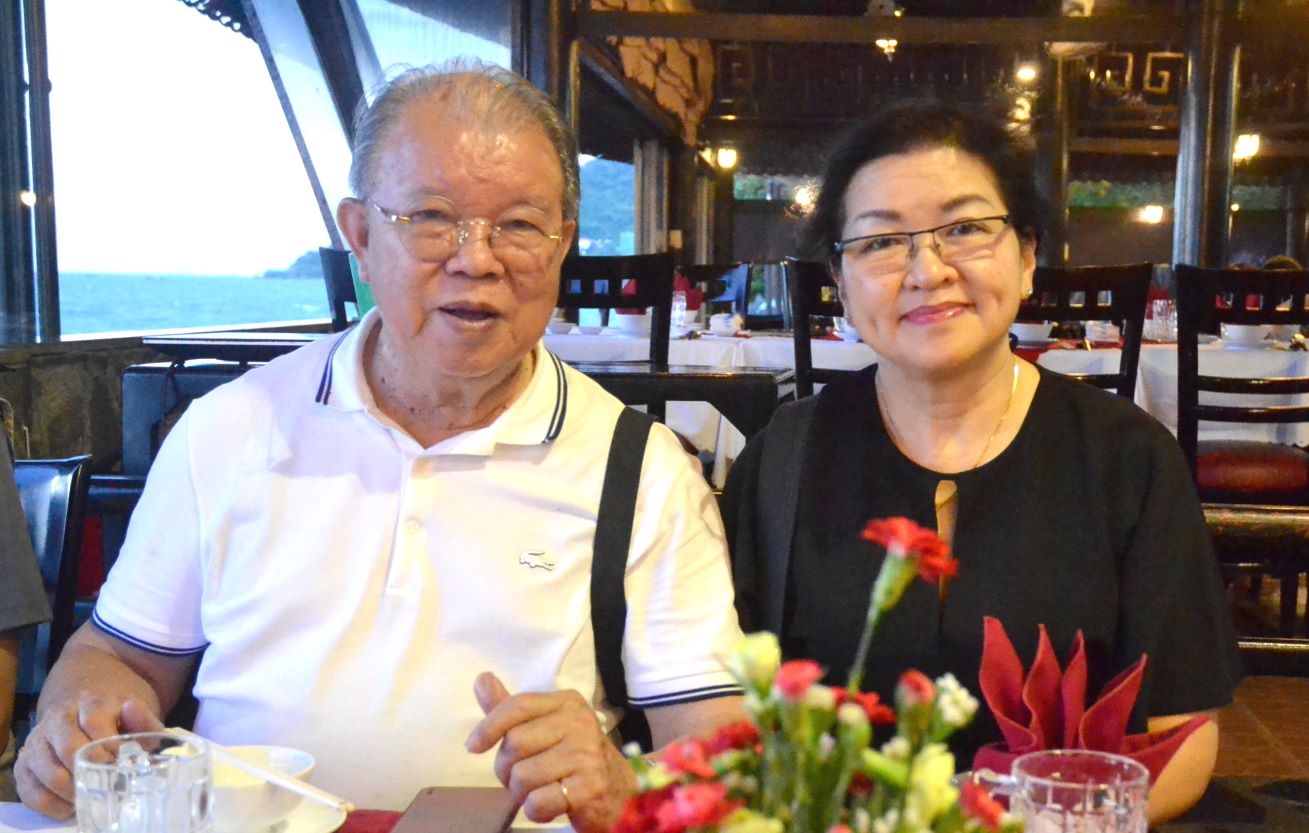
608,224
405,33
182,200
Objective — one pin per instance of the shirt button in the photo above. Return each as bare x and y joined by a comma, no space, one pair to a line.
413,527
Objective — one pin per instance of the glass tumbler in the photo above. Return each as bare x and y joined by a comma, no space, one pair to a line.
151,782
678,317
1074,791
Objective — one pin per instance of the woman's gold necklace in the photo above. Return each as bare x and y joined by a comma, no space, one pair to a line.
884,407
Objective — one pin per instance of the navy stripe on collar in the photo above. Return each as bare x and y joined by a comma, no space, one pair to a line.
561,400
325,383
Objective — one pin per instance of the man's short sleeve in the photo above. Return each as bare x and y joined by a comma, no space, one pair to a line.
151,598
681,623
22,596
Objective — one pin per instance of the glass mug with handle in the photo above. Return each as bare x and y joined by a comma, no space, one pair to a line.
1074,791
149,782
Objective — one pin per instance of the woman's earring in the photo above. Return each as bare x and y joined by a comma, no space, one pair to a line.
1027,292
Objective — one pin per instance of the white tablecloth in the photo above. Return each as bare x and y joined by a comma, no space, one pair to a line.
1156,386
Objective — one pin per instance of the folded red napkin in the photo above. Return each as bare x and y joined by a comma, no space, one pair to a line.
370,821
694,296
1047,709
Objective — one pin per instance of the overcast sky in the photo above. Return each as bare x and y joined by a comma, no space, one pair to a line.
171,151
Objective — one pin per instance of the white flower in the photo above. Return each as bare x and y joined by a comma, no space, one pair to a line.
826,746
861,820
955,705
820,697
897,749
632,750
888,822
756,659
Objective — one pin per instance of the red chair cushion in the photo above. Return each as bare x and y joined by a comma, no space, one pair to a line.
1254,472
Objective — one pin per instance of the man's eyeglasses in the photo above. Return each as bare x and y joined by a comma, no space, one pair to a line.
956,242
435,234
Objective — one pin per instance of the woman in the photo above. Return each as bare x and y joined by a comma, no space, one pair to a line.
1066,505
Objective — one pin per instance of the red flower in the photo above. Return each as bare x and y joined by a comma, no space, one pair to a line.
978,804
861,786
794,678
915,688
905,539
878,712
639,812
839,828
740,735
687,756
694,805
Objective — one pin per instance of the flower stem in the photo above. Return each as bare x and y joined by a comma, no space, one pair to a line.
861,653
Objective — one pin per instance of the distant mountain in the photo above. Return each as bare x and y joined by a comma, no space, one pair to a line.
307,265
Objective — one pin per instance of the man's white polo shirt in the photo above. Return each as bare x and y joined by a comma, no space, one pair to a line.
347,585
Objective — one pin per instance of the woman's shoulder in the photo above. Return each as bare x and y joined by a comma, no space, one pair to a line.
1062,403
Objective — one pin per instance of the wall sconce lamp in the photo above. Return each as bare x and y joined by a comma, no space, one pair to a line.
1247,145
726,158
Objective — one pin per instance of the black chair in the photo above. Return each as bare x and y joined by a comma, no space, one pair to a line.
597,283
725,286
813,293
1228,471
53,494
340,285
1096,293
1244,472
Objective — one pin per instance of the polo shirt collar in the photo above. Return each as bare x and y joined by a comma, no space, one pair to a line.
536,416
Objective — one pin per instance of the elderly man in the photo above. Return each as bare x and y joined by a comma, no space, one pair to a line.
375,540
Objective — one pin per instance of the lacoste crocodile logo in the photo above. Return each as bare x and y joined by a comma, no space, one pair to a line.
536,558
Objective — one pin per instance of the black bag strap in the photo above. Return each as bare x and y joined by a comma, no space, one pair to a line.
785,445
613,537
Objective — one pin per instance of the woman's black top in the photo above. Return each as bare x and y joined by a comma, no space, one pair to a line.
1088,520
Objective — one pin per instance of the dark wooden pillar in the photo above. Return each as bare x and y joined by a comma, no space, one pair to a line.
1204,159
1054,126
724,218
1297,213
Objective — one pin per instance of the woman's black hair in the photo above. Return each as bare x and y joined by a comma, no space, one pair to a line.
905,126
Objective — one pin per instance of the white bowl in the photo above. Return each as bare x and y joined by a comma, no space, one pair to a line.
1031,332
560,327
244,803
1245,333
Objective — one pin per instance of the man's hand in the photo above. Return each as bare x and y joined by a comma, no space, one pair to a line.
44,769
553,757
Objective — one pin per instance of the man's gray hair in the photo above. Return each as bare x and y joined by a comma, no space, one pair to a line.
487,95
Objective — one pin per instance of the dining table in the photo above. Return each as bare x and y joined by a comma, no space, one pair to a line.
704,427
1229,805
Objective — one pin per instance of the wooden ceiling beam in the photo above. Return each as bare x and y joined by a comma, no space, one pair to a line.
1117,29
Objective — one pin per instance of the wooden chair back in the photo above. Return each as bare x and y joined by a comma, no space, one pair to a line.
813,293
1096,293
1208,298
597,283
